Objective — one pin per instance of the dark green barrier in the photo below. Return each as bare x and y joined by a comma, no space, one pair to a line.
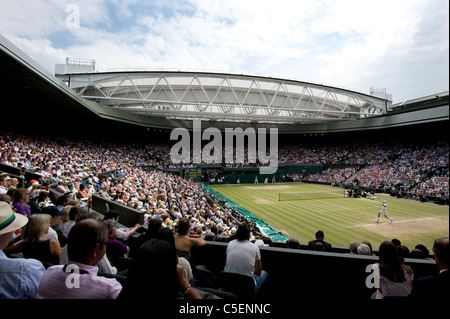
265,228
127,216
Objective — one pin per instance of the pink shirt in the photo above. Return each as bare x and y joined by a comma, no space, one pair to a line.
59,284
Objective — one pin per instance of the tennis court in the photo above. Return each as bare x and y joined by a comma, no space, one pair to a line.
341,219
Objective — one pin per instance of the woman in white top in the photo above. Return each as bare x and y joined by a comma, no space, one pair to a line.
396,278
44,200
65,218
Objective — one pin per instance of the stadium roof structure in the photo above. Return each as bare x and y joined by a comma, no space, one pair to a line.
171,99
223,97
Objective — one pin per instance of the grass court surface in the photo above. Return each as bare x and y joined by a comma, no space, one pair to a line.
341,219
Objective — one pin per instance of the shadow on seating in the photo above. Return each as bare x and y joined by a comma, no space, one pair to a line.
395,297
241,285
121,263
219,293
209,276
47,264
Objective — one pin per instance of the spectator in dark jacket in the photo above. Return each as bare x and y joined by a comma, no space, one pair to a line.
435,286
319,238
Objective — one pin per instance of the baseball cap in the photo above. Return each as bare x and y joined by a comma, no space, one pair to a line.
52,211
10,221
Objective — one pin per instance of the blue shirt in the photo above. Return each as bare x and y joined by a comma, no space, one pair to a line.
19,277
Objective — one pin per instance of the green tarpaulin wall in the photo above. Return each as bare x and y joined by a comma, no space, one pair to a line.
265,229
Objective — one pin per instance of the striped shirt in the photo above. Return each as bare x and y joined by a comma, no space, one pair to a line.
77,281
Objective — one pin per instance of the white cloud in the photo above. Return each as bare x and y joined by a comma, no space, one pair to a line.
350,43
31,19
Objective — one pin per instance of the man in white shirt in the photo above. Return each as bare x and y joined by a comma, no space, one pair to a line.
244,257
4,180
74,214
383,211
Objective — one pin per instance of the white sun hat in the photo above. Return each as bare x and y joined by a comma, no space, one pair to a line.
10,221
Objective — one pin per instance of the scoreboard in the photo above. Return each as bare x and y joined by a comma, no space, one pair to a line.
194,174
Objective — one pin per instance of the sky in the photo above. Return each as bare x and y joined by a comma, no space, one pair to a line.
402,46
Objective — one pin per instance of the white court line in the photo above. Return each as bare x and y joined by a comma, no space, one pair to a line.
395,222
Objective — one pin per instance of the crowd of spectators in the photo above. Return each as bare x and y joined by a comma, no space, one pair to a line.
75,166
410,168
377,165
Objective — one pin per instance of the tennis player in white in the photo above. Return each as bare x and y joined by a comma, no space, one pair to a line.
383,211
